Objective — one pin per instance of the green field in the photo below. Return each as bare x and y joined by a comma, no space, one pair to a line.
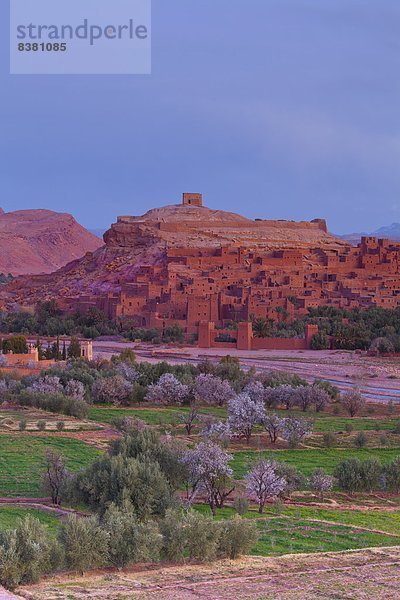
308,529
22,461
9,516
170,416
151,416
286,535
308,460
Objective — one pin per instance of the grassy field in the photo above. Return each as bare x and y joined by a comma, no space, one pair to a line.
151,416
308,460
9,516
170,416
308,529
282,535
22,461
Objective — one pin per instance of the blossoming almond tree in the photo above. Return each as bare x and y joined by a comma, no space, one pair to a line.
263,483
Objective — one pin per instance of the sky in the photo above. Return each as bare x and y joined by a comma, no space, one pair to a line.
281,109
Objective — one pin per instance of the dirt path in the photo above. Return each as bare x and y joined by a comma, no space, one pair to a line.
370,574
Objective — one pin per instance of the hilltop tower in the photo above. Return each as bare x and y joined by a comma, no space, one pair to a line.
192,200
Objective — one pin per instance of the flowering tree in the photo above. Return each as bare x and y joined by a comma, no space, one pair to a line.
352,401
243,414
50,384
208,469
263,482
304,397
320,482
168,390
282,395
217,431
255,390
112,389
294,430
127,371
320,398
212,390
75,389
273,426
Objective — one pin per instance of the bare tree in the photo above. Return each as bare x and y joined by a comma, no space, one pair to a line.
55,474
190,418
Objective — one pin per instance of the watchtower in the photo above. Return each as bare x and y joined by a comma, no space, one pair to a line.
192,200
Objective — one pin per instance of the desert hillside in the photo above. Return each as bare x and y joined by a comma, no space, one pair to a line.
132,242
41,241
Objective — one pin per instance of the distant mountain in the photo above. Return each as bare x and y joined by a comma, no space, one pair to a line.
41,241
391,232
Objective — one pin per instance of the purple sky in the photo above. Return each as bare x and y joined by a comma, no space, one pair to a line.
272,108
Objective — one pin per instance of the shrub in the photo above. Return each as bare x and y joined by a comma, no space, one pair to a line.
174,535
360,440
55,403
354,475
237,536
383,440
392,475
60,425
26,553
329,439
41,425
129,540
202,537
85,543
348,427
22,424
241,505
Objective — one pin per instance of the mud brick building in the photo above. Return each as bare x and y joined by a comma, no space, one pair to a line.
192,266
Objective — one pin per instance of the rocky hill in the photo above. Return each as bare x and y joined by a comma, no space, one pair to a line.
133,242
41,241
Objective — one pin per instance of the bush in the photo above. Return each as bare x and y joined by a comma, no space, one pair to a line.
392,475
237,536
26,553
329,439
60,425
85,543
354,475
55,403
129,540
174,535
360,440
241,505
202,537
22,424
41,425
348,428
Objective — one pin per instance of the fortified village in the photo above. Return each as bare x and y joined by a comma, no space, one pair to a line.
205,269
